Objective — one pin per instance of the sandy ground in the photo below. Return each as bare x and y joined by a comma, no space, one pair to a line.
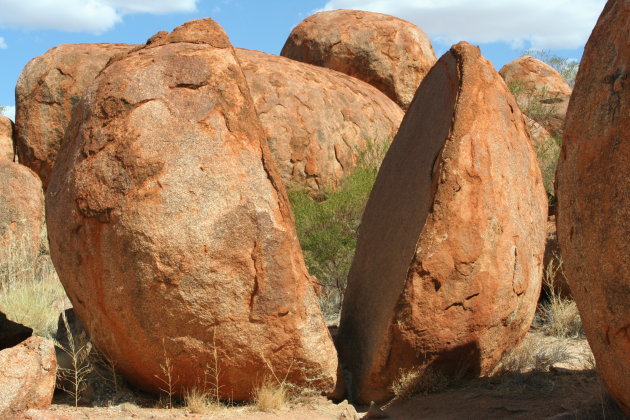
567,390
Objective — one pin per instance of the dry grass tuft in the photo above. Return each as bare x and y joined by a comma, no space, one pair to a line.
559,314
535,354
200,402
30,291
271,395
419,380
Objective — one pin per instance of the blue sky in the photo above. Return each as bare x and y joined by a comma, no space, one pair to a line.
502,28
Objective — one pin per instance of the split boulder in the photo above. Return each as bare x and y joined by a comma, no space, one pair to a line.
593,192
172,233
318,121
447,270
389,53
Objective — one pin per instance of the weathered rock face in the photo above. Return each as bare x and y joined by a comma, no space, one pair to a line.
448,263
47,91
391,54
538,134
21,213
6,139
27,376
170,228
540,90
317,120
593,192
12,333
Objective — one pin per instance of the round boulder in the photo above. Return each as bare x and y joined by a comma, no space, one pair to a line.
447,270
389,53
318,121
593,193
172,233
540,90
27,376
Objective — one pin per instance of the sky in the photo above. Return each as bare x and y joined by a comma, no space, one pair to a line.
503,29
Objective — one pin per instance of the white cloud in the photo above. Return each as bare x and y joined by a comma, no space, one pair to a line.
95,16
3,44
9,111
552,24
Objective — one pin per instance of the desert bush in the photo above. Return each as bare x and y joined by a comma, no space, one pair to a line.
538,104
30,291
565,66
418,380
535,104
547,154
328,224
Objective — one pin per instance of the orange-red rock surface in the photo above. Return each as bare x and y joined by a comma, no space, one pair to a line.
171,231
27,376
541,90
318,121
21,213
47,91
6,138
389,53
447,270
593,191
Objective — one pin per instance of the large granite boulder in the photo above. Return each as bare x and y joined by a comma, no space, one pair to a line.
593,192
389,53
447,270
27,376
540,90
318,121
46,93
171,231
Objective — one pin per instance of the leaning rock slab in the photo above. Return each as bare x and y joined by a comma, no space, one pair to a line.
21,214
6,139
27,376
317,120
389,53
171,231
540,90
593,192
447,270
46,93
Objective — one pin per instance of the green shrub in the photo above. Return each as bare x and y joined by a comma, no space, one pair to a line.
327,226
548,154
566,67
